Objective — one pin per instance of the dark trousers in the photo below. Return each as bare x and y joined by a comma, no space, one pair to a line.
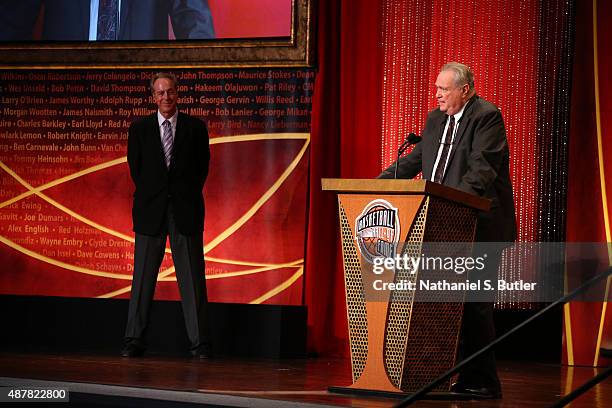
188,257
477,331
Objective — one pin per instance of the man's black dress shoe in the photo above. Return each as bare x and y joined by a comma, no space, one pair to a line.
478,392
132,350
202,352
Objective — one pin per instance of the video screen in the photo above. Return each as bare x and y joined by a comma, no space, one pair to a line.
143,20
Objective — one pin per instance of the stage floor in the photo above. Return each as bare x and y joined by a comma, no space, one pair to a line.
270,383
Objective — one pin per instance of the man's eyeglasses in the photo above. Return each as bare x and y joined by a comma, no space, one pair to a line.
169,92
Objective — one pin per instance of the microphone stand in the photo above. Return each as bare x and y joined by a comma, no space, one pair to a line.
401,150
410,140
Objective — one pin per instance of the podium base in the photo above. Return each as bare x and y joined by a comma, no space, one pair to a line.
445,396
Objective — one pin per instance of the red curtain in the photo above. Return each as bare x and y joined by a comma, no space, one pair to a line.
345,142
377,61
519,52
588,326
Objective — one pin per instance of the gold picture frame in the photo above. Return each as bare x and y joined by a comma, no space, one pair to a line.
293,51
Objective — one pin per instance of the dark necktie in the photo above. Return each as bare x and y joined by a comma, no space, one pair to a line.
167,141
108,20
446,145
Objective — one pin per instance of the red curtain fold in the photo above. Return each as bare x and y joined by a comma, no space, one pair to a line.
345,142
588,325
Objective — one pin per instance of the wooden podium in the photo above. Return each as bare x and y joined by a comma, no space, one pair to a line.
399,340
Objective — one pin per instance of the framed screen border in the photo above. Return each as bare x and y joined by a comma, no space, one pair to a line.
293,51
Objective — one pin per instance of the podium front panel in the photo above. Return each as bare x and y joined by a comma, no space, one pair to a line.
394,215
420,338
435,325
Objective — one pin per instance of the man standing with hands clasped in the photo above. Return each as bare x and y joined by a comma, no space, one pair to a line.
465,147
168,157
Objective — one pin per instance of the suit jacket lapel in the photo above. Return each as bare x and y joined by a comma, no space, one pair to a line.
123,18
463,124
84,13
157,144
179,137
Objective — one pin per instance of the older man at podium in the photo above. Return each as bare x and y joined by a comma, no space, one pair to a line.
464,146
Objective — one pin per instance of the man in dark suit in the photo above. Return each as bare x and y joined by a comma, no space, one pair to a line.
464,146
168,157
73,20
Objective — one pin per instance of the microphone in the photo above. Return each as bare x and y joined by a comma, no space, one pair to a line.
412,139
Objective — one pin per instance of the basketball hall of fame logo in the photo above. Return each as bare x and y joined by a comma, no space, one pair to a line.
377,230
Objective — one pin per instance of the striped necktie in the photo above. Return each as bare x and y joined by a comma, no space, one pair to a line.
167,141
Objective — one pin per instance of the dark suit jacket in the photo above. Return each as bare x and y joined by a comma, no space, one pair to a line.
68,20
478,164
157,186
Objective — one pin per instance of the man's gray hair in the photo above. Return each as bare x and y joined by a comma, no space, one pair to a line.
463,73
167,75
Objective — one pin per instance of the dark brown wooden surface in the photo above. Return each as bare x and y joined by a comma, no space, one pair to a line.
524,384
405,187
